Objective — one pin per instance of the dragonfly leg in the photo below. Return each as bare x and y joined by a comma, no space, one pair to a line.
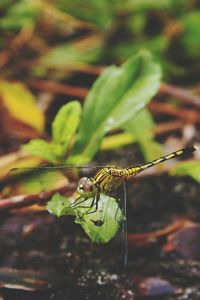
76,202
88,206
94,203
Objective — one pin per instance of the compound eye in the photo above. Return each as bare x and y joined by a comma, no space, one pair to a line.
88,186
85,185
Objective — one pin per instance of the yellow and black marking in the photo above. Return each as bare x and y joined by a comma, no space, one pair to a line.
110,177
132,171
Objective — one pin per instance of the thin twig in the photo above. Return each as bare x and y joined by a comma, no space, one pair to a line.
27,200
54,87
168,127
187,115
182,94
144,239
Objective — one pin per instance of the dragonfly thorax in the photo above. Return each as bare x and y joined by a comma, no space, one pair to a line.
109,178
86,187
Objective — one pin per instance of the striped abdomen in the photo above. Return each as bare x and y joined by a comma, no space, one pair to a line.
132,171
111,177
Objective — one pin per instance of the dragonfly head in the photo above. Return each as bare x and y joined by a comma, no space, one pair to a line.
85,186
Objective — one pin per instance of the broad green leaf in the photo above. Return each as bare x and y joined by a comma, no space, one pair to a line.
59,206
109,216
21,104
101,226
41,148
190,168
63,128
65,124
142,127
150,149
116,97
191,34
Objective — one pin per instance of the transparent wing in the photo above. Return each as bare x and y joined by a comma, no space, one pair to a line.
103,222
121,238
42,179
124,225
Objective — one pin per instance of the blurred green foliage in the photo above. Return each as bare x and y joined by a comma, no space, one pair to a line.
190,39
142,128
66,55
64,127
108,31
117,96
18,15
169,29
190,168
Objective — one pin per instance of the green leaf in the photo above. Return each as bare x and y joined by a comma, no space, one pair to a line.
66,55
63,128
142,127
150,149
157,45
138,5
98,12
59,205
65,125
21,14
109,215
190,168
191,35
116,97
41,148
101,226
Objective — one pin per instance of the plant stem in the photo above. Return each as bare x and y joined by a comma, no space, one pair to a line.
27,200
182,94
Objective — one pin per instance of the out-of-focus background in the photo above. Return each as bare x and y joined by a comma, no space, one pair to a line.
100,82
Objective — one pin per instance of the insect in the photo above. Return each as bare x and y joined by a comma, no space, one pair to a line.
105,181
110,177
93,196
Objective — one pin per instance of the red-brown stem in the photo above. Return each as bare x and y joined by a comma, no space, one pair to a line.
187,115
182,94
27,200
144,239
54,87
168,127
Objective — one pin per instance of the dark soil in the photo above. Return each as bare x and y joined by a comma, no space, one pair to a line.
53,258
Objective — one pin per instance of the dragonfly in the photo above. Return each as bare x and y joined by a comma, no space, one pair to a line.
111,177
103,183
